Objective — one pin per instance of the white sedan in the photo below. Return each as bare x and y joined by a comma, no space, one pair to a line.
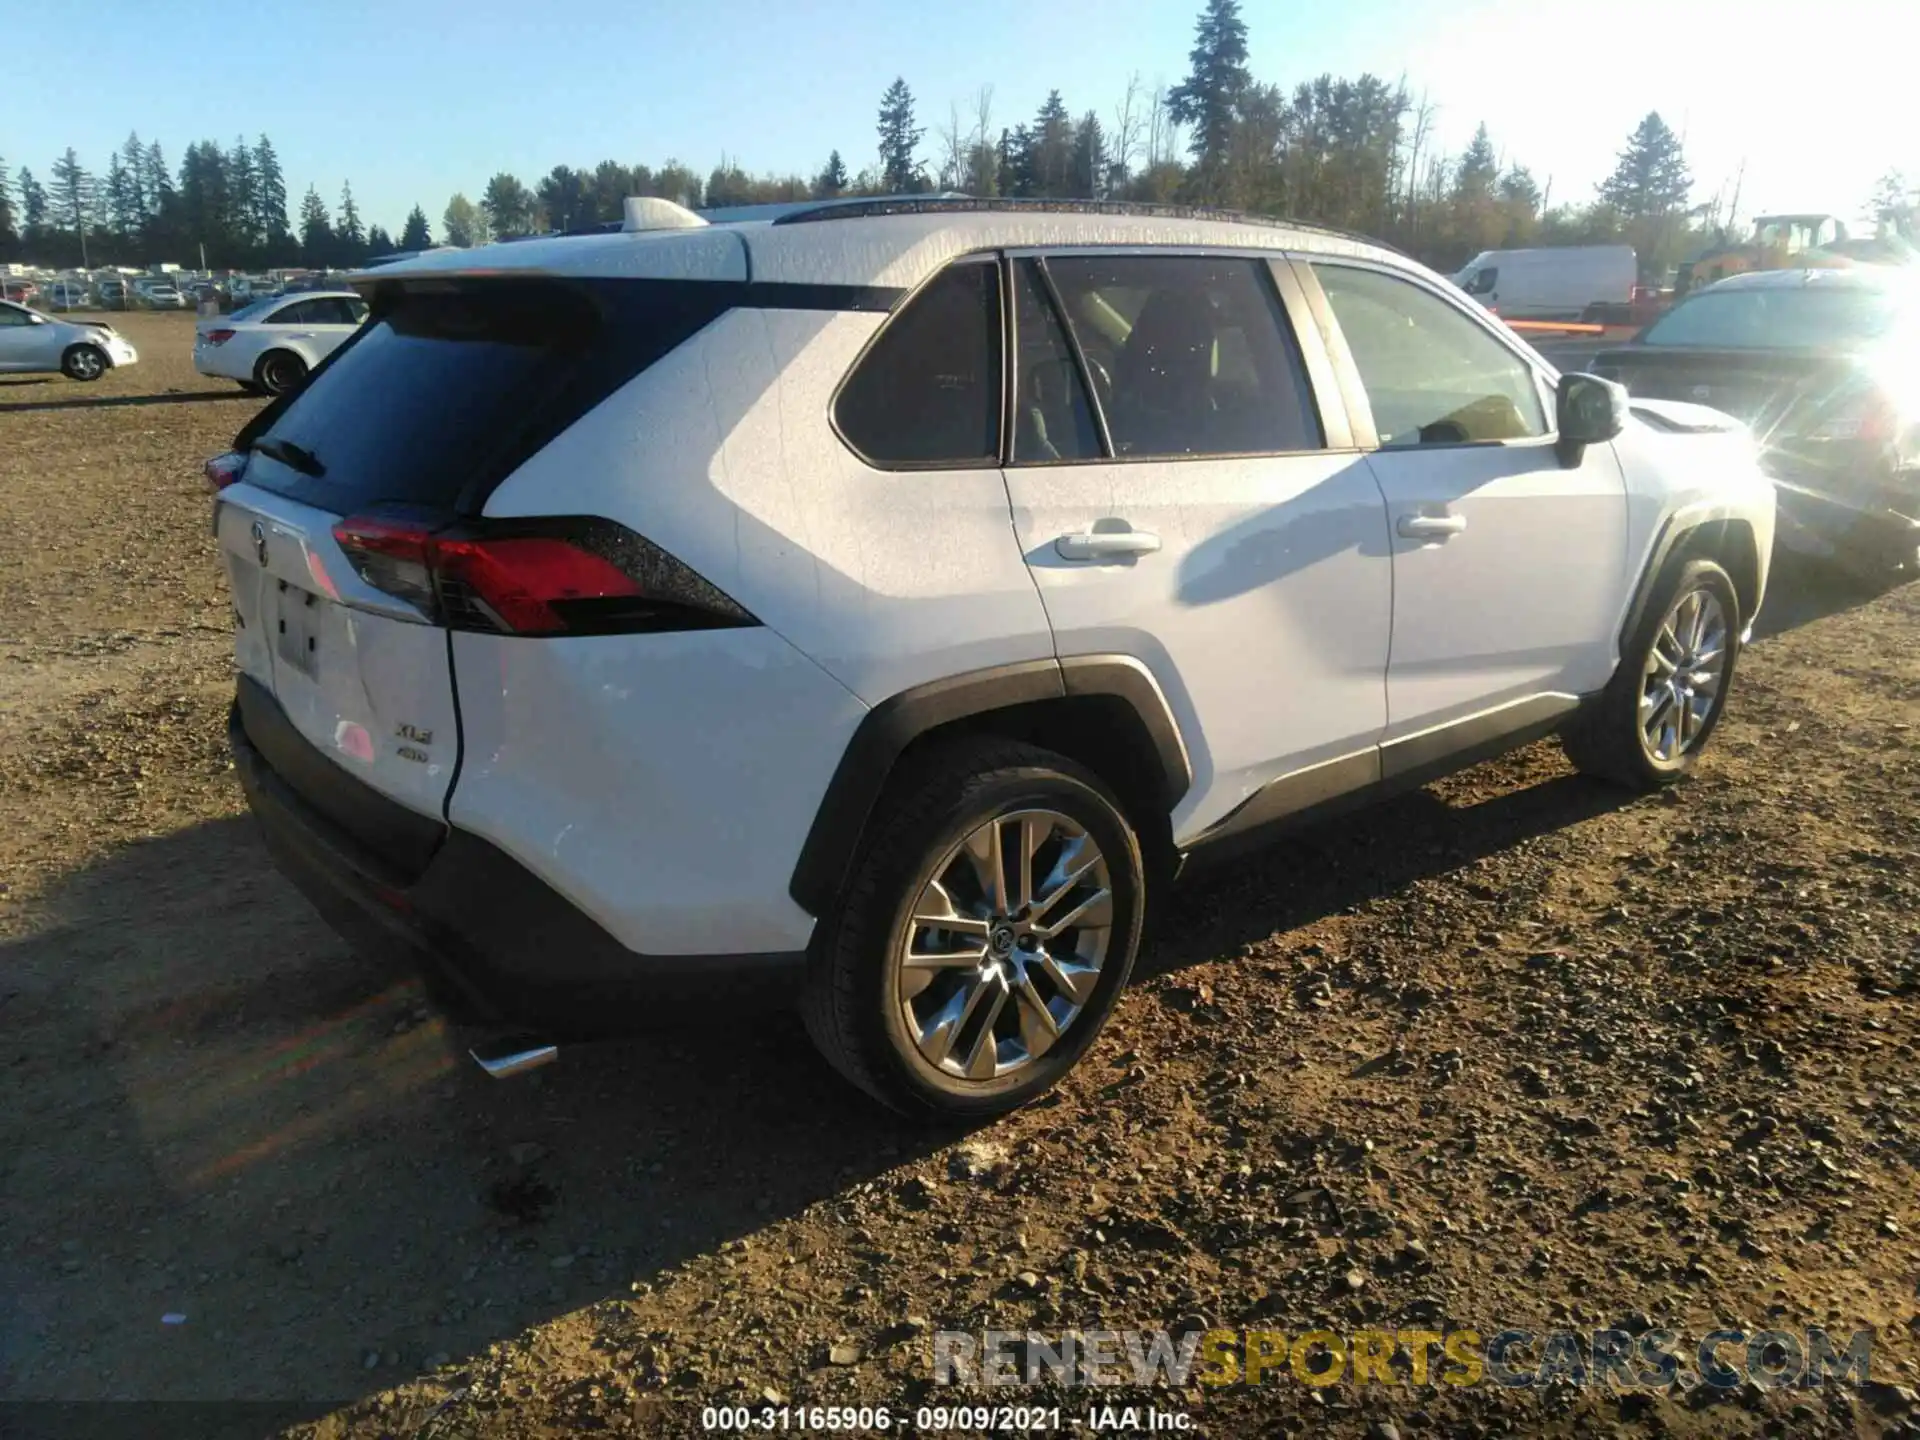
32,341
270,345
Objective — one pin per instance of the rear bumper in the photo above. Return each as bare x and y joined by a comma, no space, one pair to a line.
499,943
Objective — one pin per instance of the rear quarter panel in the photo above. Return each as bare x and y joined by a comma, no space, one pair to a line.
723,454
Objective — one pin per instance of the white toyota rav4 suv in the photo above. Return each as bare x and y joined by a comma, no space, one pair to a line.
874,606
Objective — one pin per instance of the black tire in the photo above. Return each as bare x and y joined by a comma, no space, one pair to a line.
1606,740
85,363
852,1003
279,371
252,387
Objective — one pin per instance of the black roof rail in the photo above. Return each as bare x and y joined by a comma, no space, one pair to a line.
969,204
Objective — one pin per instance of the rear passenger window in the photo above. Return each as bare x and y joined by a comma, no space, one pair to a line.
927,391
1190,355
1432,375
1052,419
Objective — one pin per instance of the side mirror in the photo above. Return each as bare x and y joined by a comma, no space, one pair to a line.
1587,411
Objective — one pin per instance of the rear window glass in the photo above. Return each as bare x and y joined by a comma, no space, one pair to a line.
927,391
446,390
1777,319
248,312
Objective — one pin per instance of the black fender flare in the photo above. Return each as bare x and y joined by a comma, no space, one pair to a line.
1674,535
898,721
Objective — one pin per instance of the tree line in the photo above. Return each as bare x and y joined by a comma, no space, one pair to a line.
1357,153
228,203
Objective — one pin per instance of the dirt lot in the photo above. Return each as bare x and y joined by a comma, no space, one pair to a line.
1511,1052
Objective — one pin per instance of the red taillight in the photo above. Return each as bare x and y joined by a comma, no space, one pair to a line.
542,577
222,470
219,337
522,579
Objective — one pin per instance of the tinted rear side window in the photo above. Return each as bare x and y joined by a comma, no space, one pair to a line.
1191,355
447,389
1051,417
927,391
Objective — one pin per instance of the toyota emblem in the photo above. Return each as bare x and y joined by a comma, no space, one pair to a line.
260,541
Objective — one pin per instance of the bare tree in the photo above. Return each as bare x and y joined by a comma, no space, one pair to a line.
1163,135
983,156
953,149
1129,125
1418,136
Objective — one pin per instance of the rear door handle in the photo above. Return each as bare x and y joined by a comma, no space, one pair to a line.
1430,527
1106,544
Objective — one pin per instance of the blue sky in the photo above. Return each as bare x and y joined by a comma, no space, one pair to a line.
414,99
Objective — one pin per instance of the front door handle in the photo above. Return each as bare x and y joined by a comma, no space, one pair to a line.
1430,527
1106,544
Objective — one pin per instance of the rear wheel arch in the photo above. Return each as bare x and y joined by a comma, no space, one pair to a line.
1105,712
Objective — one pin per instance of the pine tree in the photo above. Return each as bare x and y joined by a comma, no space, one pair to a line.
1518,189
133,159
73,195
1209,98
1651,178
316,231
155,180
33,203
900,172
612,183
243,201
270,195
415,235
205,209
463,224
378,242
508,206
9,234
832,180
1015,172
1479,169
1050,150
122,200
563,194
350,236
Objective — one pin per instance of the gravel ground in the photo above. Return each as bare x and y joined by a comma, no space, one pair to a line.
1513,1051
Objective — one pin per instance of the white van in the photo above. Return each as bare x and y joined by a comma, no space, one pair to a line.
1556,282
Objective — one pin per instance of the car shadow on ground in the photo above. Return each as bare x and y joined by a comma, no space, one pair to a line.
227,1115
101,402
223,1114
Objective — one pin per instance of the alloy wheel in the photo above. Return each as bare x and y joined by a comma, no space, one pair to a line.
1005,944
1685,671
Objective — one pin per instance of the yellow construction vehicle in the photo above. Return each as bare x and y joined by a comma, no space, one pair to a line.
1779,242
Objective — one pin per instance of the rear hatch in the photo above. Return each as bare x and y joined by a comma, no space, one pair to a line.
433,395
350,518
1754,386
